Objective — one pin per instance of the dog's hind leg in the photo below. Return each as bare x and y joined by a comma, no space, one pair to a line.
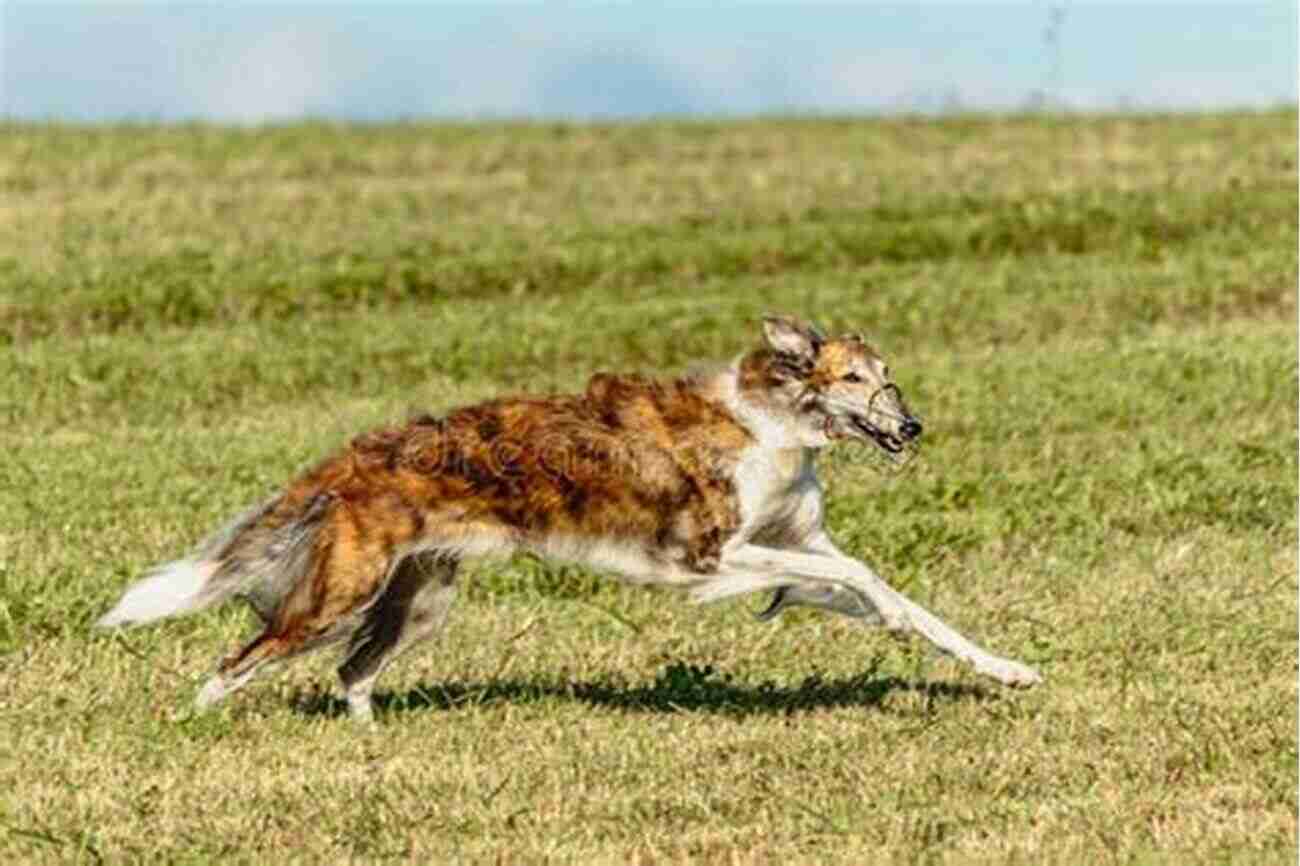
236,670
348,572
269,649
413,607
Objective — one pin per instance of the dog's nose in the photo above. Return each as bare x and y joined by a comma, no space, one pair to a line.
911,428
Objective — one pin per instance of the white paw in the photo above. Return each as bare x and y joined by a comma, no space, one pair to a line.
361,710
1010,673
894,621
213,691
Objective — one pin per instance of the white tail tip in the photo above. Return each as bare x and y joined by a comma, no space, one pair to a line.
170,589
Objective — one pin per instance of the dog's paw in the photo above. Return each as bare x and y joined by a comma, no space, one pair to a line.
893,621
1011,673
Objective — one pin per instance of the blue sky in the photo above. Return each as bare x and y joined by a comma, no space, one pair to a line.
256,61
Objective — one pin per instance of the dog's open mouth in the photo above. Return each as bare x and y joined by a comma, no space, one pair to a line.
897,445
860,428
888,442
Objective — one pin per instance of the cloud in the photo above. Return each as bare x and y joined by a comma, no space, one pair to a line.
613,80
253,62
278,75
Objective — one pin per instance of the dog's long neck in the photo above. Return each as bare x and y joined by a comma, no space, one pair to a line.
767,402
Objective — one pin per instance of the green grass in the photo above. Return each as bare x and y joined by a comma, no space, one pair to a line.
1095,318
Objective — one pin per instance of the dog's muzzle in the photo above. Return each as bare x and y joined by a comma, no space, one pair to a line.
908,428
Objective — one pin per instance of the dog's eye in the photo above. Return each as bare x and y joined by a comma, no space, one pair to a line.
852,377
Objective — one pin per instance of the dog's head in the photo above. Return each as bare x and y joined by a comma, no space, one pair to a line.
830,389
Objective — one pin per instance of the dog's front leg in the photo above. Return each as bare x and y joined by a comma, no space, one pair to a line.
830,566
822,596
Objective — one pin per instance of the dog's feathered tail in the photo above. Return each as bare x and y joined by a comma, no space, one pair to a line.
167,590
259,555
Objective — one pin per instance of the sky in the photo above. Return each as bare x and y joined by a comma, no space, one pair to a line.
255,62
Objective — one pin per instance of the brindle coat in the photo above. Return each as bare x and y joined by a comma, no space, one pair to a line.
703,482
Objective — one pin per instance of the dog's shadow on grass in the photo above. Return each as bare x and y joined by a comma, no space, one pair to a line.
679,688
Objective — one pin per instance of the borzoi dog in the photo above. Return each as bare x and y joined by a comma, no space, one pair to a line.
704,483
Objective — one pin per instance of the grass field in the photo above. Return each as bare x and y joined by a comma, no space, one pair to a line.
1096,319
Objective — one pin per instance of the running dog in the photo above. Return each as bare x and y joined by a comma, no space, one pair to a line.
704,483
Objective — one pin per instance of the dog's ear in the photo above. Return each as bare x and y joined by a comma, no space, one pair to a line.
789,336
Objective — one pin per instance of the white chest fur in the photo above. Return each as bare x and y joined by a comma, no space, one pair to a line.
778,490
775,478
